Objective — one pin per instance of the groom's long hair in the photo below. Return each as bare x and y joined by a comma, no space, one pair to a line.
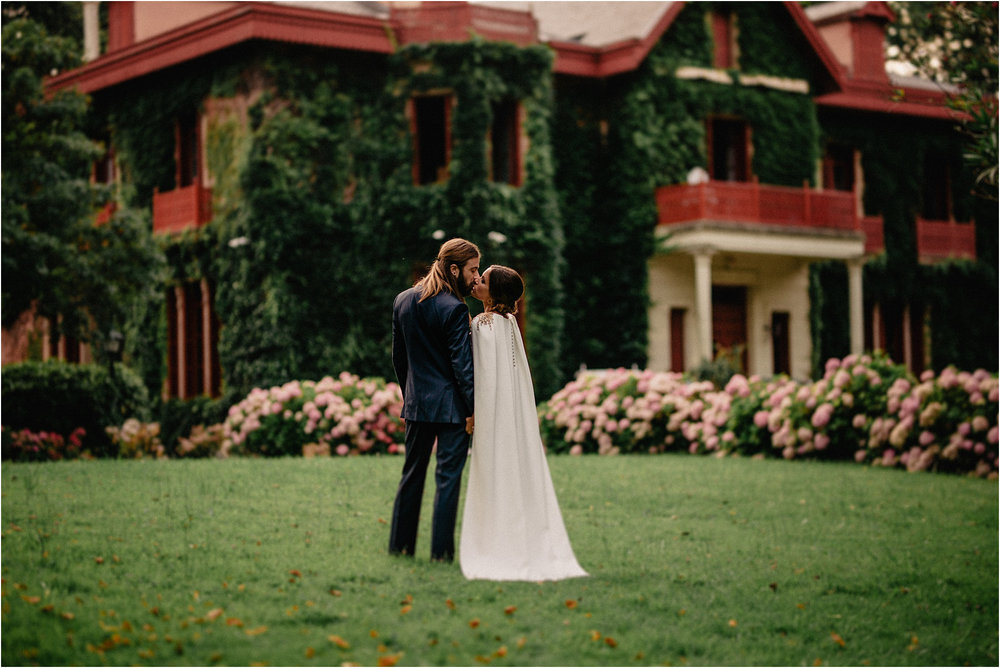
453,251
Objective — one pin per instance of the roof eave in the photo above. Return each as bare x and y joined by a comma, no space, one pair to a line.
244,22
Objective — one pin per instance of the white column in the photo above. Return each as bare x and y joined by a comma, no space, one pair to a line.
703,302
91,31
856,304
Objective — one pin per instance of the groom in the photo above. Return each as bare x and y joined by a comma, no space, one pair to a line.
432,356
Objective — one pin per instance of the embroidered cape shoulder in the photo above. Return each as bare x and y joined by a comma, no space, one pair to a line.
485,318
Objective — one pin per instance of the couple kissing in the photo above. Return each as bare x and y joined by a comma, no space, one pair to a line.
468,380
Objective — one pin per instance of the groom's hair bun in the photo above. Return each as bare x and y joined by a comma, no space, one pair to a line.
506,287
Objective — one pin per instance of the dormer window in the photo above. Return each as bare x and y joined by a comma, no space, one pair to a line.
505,158
430,122
724,37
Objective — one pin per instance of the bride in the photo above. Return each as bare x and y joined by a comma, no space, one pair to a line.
511,526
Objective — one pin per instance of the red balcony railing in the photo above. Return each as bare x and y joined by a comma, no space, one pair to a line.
752,203
874,234
941,239
179,209
936,239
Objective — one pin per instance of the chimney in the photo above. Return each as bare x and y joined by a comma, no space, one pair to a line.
868,42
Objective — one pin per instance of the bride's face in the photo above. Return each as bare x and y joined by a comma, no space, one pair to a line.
481,290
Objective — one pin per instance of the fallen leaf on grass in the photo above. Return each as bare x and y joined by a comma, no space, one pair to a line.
31,600
837,639
595,636
339,642
521,642
733,623
570,603
234,621
510,609
611,642
914,642
405,609
474,622
389,659
213,614
310,652
450,603
335,592
502,652
257,631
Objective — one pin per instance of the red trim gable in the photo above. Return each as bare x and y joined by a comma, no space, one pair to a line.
284,23
244,22
625,56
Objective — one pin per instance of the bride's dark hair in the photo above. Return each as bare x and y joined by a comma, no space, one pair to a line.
506,287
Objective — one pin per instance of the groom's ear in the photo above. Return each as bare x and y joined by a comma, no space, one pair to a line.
455,270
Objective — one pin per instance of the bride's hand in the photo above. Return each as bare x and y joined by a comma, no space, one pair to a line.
470,423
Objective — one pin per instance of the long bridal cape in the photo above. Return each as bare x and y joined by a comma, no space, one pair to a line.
511,526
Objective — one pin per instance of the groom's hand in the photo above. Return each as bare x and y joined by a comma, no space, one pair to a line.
470,423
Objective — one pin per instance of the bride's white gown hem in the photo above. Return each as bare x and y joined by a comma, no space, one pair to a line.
512,528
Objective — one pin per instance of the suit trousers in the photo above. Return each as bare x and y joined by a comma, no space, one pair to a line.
452,453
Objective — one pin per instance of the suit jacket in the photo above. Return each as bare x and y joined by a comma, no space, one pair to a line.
432,356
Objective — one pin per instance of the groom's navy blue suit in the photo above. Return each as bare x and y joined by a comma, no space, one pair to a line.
432,356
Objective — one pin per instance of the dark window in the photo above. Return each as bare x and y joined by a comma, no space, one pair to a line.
838,167
504,158
104,168
936,187
780,342
677,339
187,151
430,118
728,139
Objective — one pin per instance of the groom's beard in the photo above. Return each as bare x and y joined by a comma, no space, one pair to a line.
466,288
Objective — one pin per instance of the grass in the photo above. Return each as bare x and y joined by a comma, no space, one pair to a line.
693,561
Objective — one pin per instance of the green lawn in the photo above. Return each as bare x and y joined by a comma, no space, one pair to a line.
693,560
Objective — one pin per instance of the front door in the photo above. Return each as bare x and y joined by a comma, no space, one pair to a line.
729,322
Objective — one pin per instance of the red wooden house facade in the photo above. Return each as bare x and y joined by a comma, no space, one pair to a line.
741,248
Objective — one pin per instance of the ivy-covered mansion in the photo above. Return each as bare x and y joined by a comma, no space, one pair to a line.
675,180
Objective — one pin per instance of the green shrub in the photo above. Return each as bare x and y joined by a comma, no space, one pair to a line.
58,397
179,417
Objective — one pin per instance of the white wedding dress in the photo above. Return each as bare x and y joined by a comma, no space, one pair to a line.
512,528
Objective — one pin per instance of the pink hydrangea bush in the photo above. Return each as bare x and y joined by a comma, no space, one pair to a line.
943,422
343,415
865,408
619,410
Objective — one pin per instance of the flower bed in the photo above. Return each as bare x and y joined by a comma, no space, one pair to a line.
24,445
343,415
865,409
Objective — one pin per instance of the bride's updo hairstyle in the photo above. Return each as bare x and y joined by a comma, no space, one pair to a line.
506,287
